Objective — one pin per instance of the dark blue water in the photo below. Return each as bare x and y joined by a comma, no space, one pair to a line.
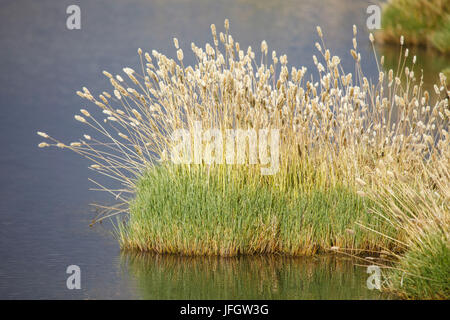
44,196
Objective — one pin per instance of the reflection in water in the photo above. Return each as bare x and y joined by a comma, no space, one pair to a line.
251,277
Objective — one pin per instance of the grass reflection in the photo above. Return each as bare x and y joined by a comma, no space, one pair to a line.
247,277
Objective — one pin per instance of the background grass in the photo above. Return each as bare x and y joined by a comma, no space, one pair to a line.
421,22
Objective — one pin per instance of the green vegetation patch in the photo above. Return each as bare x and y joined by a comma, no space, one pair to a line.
218,212
423,271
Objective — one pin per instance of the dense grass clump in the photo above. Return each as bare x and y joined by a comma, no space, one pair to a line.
342,142
422,22
423,271
422,268
199,212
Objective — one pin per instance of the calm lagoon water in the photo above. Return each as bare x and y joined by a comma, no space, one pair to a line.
44,196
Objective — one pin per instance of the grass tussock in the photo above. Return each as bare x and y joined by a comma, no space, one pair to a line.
422,22
422,268
220,212
345,140
423,271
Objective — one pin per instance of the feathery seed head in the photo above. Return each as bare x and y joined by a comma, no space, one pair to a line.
360,182
80,118
264,47
319,31
85,112
123,136
128,71
180,55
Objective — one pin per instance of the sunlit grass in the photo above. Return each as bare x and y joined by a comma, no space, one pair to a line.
423,271
422,268
223,212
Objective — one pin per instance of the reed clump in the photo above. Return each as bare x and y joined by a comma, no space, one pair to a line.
222,212
422,268
342,139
